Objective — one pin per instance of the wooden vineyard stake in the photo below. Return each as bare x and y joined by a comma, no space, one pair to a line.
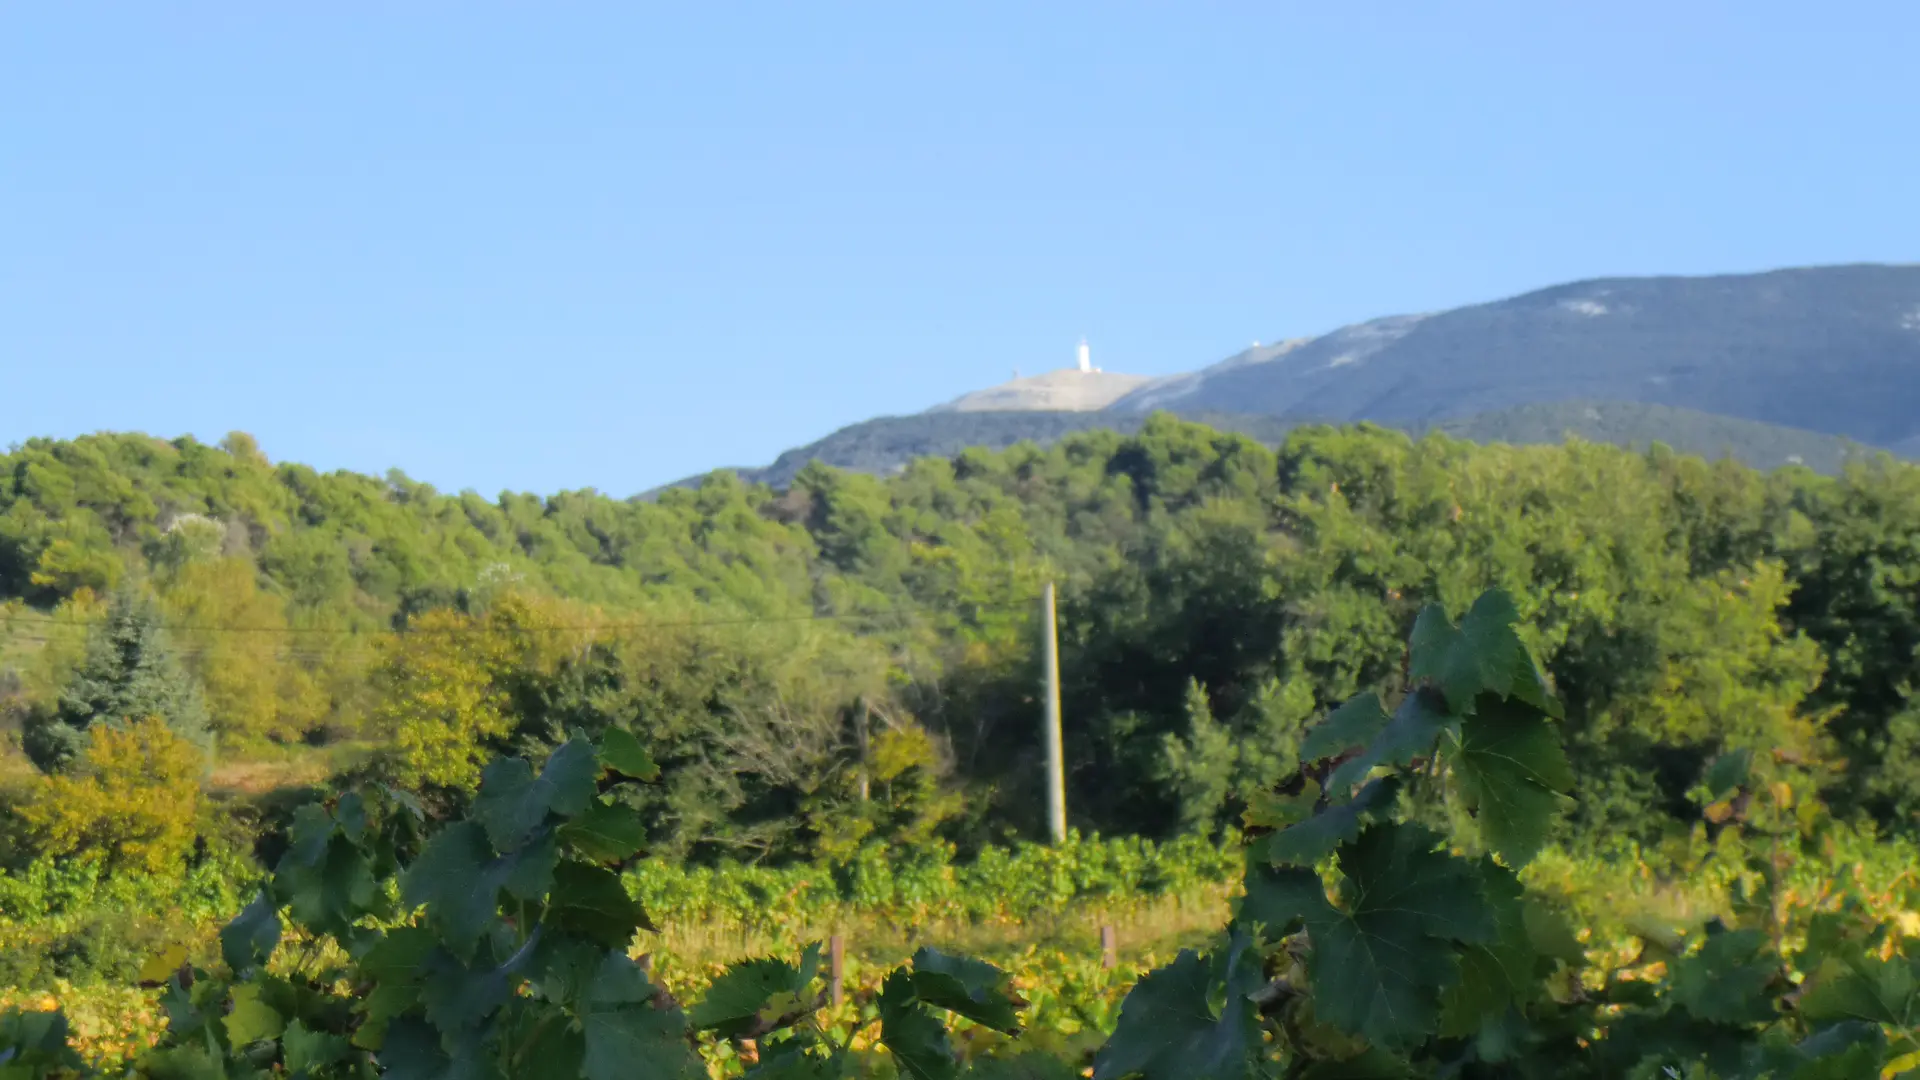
836,969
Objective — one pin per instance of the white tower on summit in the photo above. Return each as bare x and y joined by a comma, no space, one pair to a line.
1086,357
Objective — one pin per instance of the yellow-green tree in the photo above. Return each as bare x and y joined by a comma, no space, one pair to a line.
443,686
52,646
903,803
133,800
440,708
230,636
233,636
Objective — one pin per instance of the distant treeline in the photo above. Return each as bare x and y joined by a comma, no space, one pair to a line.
779,651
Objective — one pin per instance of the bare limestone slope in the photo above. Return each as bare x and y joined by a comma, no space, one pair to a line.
1833,349
1066,390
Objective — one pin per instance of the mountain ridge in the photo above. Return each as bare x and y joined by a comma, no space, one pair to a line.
1816,363
1833,349
885,444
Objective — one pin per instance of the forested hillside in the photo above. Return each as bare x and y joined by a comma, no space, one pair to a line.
348,777
1216,594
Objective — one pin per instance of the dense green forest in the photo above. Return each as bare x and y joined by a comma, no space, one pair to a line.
823,700
1216,595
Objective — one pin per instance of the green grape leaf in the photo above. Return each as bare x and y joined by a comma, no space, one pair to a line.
1728,773
1272,810
618,981
974,989
1510,770
325,880
1731,979
1838,934
513,804
413,1051
529,870
350,816
557,1052
626,1035
620,752
1282,898
249,940
790,1060
916,1040
252,1020
397,955
307,837
305,1051
1193,1019
1869,988
592,901
297,998
35,1044
1483,654
1505,1036
192,1011
183,1062
1352,724
1416,725
1315,837
606,833
380,1007
1370,1064
460,999
1493,974
564,967
331,892
458,880
1378,967
1843,1051
1309,841
734,1002
1549,934
1853,1050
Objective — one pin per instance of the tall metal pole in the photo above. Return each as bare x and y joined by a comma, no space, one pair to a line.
1056,756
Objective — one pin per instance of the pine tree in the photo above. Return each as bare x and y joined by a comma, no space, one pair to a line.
1200,767
129,673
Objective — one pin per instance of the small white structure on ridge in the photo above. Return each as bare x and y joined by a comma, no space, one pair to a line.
1086,357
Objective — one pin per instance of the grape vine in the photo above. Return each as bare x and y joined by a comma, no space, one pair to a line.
1370,945
496,947
1384,932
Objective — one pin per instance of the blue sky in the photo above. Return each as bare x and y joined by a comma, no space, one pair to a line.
562,245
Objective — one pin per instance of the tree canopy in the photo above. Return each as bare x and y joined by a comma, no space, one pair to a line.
1215,594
